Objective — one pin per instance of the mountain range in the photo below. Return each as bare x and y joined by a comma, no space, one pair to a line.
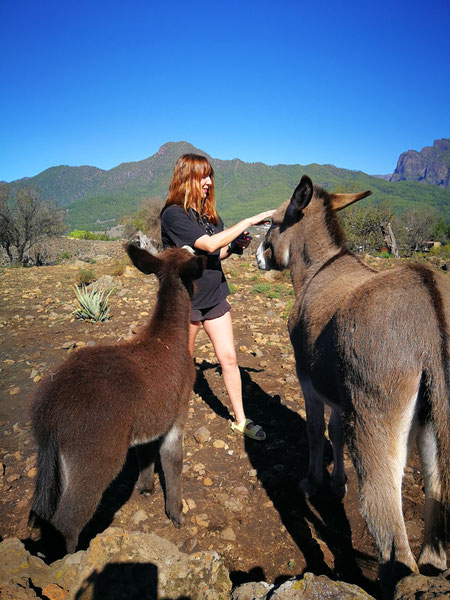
95,199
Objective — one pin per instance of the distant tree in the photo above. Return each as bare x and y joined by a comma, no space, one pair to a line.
441,231
414,227
146,220
26,219
363,226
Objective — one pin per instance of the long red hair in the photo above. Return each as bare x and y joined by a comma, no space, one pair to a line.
185,189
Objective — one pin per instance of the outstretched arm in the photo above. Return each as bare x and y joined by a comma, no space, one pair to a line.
211,243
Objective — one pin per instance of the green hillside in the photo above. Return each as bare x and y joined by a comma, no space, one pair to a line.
96,199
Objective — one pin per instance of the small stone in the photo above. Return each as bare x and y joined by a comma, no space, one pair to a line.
14,391
191,504
80,344
189,544
207,481
37,378
32,472
243,348
140,516
253,473
185,508
33,373
202,435
263,364
219,444
228,534
202,520
53,591
13,478
68,345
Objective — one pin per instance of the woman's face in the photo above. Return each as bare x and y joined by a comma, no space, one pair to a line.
205,182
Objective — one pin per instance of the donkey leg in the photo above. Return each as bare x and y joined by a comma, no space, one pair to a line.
379,448
83,489
433,553
315,424
336,432
172,463
146,454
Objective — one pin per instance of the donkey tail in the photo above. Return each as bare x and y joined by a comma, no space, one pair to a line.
48,482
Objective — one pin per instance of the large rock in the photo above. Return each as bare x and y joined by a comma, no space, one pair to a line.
17,568
310,587
431,165
420,587
117,565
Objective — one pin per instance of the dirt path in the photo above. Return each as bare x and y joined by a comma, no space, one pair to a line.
241,496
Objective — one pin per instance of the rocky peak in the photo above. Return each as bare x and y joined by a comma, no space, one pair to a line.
430,165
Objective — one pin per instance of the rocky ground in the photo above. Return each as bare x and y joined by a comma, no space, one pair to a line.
240,496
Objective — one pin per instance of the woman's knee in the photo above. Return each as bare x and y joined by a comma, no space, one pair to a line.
228,360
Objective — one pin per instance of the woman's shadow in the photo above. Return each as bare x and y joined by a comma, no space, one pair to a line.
281,462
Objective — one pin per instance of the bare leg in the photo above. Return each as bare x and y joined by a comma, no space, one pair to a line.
194,326
220,332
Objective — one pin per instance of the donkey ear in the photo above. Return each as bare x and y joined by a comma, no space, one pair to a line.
143,260
340,201
300,200
195,267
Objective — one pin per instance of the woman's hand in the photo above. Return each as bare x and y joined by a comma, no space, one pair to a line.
261,217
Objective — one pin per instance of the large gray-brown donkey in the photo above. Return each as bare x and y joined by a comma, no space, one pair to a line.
374,347
104,399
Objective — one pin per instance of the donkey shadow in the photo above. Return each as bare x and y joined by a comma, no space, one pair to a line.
281,462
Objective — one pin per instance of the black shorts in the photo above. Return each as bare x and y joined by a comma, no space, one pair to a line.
212,312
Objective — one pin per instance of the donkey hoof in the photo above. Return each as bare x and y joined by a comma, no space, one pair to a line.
307,487
178,521
144,489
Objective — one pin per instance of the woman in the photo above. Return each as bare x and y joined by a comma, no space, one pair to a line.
189,218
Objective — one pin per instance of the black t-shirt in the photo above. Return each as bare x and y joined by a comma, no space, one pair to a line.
179,228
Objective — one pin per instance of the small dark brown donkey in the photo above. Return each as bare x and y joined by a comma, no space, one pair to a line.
375,348
104,399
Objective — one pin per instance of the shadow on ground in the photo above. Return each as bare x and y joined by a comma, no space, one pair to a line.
281,462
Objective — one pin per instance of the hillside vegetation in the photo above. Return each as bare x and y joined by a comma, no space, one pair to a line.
96,199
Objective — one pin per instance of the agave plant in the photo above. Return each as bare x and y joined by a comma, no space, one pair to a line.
93,304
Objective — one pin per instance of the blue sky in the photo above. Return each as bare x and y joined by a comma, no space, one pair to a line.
353,84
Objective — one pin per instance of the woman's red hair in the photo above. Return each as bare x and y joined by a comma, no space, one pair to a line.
185,189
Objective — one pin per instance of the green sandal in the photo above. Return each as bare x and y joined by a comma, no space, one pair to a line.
252,432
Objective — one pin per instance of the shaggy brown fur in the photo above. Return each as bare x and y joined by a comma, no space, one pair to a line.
104,399
375,348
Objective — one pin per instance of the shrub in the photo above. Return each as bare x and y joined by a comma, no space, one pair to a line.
85,234
119,266
441,251
85,277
